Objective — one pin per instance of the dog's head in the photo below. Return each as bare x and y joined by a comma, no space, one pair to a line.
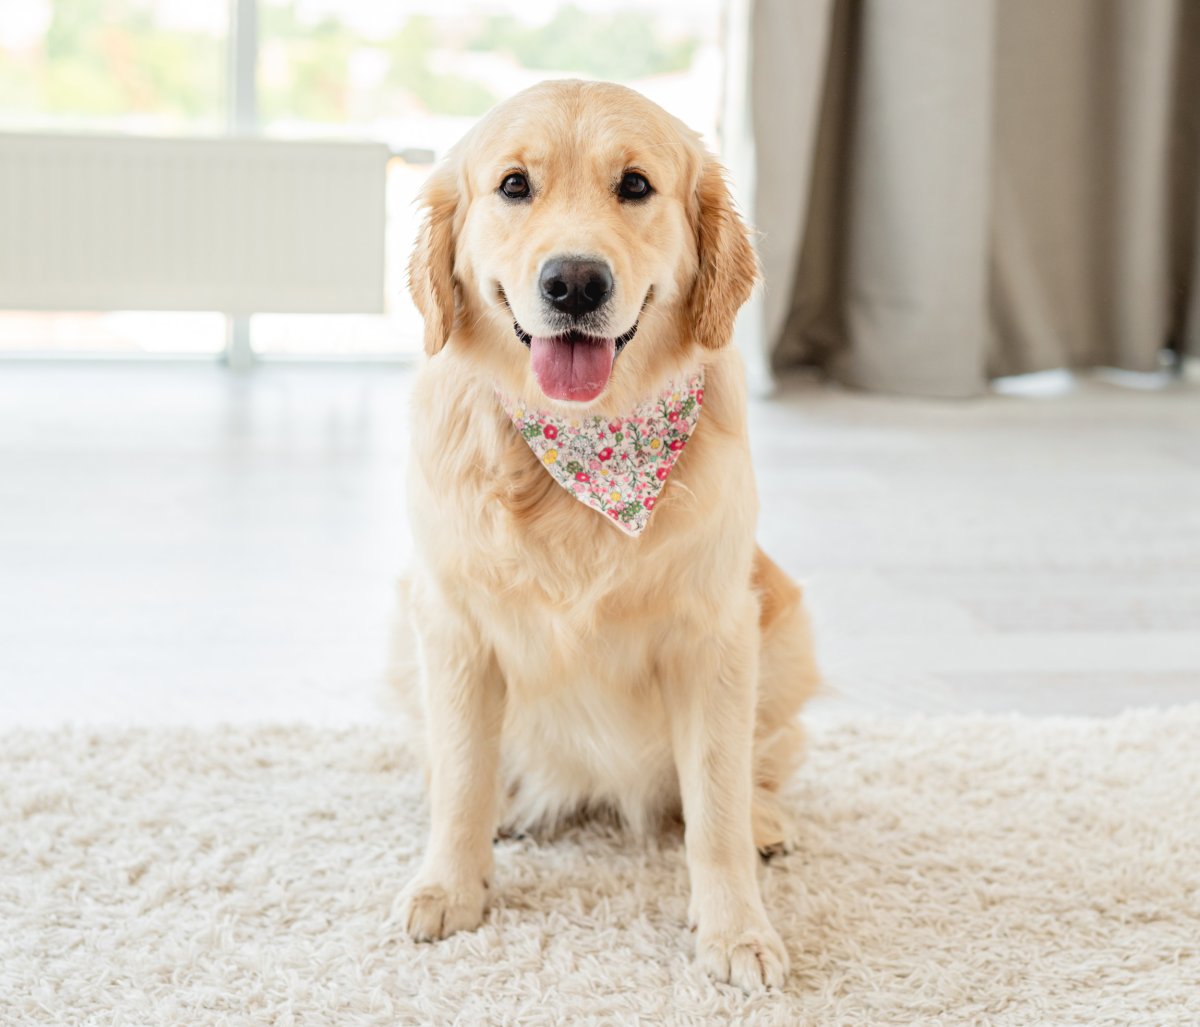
581,238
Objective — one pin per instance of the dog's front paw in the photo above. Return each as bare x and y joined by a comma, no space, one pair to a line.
431,911
752,959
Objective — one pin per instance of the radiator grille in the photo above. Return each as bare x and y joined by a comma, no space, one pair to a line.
239,226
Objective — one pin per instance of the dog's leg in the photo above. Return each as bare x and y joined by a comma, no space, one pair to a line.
710,699
464,696
787,678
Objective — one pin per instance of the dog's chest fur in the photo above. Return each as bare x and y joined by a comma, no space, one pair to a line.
575,611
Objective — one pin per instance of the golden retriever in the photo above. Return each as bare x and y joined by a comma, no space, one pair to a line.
579,249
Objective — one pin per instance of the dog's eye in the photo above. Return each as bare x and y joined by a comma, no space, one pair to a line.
515,186
633,186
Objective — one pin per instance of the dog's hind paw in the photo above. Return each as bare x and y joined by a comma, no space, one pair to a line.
775,831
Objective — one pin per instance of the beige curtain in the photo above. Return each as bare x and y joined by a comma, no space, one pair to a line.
949,190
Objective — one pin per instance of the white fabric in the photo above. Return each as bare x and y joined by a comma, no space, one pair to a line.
993,870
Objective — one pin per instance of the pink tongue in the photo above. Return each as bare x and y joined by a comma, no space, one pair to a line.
572,370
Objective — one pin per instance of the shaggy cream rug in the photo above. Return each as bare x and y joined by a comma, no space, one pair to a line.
978,870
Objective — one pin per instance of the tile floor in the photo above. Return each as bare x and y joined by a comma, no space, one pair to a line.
179,544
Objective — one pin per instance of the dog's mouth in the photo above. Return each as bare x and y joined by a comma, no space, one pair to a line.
573,366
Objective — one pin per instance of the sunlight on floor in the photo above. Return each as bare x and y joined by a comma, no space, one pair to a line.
184,545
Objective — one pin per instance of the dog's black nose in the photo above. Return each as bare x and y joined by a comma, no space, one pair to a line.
576,286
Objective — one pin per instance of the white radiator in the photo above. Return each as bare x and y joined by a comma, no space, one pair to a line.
233,225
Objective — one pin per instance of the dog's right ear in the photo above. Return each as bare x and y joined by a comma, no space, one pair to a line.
431,266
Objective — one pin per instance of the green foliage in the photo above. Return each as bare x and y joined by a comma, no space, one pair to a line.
315,87
623,45
443,93
71,25
108,58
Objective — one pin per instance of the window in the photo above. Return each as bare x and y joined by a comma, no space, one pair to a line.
156,68
414,75
129,66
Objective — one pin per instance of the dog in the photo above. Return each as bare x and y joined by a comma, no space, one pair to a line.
594,627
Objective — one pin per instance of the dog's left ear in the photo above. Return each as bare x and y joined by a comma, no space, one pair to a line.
728,267
431,266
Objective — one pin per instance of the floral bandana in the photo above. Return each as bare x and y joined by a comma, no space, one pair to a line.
617,465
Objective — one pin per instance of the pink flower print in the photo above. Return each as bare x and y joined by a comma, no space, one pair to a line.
618,464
